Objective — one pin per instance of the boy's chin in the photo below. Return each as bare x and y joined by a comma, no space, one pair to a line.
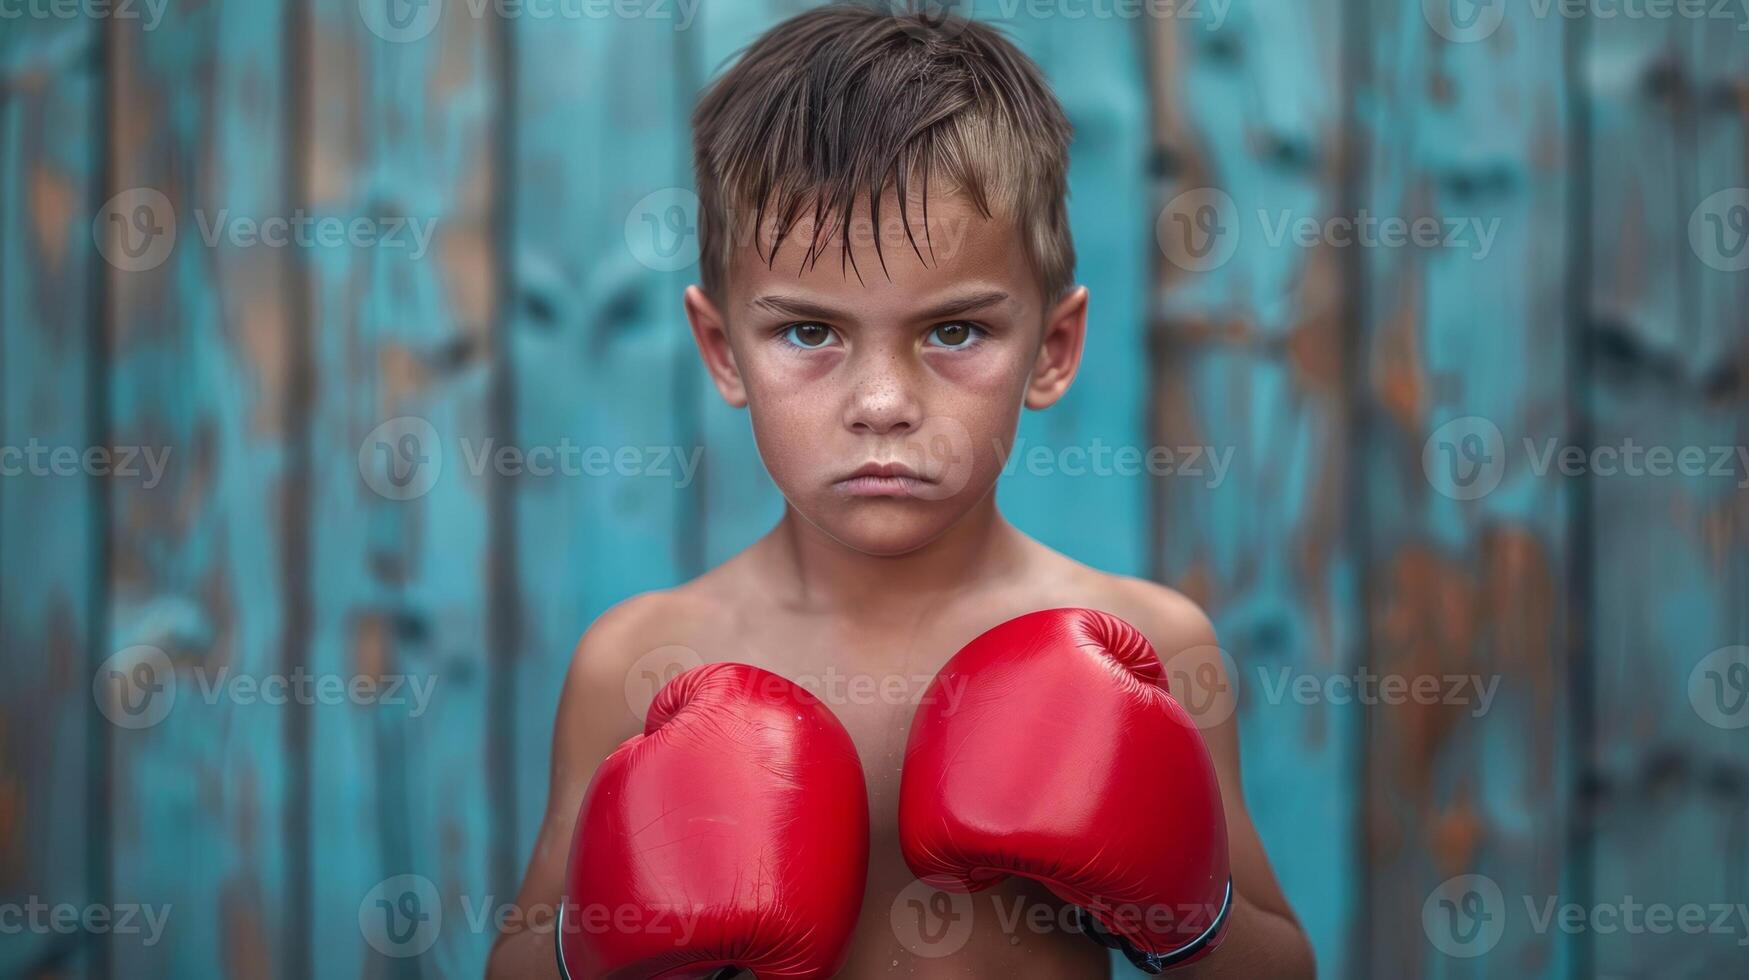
889,530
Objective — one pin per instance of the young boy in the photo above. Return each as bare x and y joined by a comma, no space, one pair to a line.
886,280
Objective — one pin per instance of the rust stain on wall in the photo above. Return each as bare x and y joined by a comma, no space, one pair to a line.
1315,343
1398,371
1425,624
370,645
1198,585
246,951
51,206
466,256
1455,834
12,808
1496,614
337,129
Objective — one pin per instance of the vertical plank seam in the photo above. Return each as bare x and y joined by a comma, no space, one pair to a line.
99,824
5,89
1353,188
1153,330
296,486
503,590
690,508
1581,524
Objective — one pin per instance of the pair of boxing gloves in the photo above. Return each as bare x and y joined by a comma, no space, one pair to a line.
733,833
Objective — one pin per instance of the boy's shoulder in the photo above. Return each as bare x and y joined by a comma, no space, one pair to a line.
1171,620
1196,670
667,625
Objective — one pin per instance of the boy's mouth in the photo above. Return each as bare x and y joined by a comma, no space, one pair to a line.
874,479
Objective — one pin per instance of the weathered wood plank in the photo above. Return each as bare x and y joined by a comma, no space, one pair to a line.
1249,362
1096,67
401,127
739,503
1466,365
601,356
197,335
53,839
1247,357
1667,325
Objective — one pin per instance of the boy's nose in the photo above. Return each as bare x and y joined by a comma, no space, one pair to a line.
880,404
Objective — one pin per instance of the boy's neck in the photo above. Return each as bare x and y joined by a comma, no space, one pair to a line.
820,574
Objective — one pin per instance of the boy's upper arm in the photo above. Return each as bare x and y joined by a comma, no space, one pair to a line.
1185,640
593,719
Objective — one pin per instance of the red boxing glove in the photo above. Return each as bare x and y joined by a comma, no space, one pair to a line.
732,834
1066,761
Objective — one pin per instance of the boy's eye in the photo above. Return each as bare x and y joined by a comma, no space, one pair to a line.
809,335
954,335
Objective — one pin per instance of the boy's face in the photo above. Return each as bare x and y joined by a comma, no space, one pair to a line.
884,408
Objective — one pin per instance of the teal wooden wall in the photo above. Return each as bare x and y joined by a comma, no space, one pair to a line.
1607,155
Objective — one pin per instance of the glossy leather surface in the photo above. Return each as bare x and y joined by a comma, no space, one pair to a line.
1067,761
733,832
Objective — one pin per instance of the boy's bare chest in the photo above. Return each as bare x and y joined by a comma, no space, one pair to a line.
872,679
872,673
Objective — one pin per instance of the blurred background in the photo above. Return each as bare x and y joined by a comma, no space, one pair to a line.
1437,310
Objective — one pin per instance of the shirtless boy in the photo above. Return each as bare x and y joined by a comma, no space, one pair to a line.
886,281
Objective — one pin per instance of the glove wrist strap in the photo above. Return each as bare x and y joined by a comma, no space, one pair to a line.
1154,963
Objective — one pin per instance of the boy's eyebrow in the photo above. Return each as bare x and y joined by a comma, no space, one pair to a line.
801,309
964,304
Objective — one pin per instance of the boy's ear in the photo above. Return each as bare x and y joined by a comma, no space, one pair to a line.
1059,355
710,332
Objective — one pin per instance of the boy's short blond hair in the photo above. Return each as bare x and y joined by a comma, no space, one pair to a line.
836,106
